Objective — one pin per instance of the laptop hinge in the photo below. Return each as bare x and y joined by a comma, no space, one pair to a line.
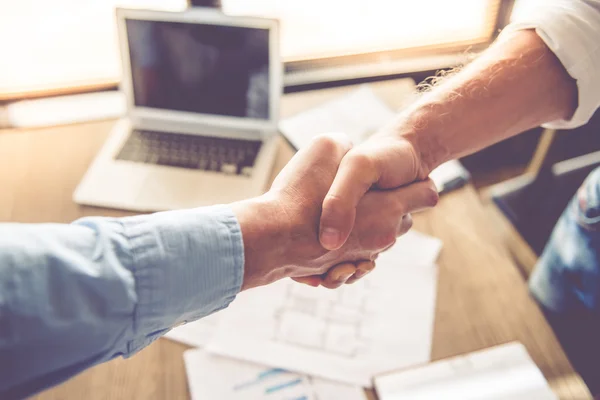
202,129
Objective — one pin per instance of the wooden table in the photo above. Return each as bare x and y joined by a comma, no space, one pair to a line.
482,299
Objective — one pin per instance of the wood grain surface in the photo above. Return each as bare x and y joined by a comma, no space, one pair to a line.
482,299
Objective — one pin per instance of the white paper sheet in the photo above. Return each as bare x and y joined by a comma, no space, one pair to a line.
359,114
501,373
380,323
417,249
216,377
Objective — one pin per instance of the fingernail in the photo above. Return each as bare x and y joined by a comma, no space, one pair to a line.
330,238
434,197
360,273
343,278
314,282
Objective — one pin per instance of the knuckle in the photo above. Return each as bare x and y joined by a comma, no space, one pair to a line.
333,198
335,205
360,161
401,208
332,143
326,142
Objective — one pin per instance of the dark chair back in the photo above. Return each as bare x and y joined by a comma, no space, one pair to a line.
534,201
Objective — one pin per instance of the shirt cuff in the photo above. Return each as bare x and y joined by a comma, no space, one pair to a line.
186,264
570,29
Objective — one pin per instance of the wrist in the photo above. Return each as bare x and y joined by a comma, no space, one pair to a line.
502,93
416,141
265,233
419,130
426,126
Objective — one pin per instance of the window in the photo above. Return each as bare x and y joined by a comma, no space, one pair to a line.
53,46
60,45
319,28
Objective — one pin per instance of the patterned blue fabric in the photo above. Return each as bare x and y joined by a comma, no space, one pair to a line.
567,277
72,296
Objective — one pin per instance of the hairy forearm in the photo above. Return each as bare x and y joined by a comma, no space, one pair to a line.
515,85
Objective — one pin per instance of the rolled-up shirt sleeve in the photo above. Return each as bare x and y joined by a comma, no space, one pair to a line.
571,29
72,296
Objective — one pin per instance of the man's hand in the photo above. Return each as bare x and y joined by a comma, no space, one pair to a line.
281,228
383,162
503,92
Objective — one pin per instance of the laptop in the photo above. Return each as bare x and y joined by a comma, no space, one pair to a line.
203,92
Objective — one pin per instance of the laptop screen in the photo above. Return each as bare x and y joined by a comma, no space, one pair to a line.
201,68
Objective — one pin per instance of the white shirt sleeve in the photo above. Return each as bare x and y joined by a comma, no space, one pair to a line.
571,29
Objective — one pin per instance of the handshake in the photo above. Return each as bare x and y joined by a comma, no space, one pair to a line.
332,210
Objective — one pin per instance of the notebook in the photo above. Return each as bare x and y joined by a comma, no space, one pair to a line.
505,372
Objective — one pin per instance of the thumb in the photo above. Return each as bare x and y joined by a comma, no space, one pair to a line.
388,163
356,174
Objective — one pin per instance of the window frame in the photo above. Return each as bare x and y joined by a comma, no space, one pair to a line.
306,72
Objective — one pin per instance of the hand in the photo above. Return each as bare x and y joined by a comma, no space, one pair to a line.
280,228
351,272
382,162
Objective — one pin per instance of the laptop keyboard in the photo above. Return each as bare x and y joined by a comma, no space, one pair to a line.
230,156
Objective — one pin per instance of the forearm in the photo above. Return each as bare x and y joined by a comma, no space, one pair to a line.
515,85
72,296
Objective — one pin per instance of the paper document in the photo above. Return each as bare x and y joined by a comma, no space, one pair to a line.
417,249
501,373
216,377
380,323
359,114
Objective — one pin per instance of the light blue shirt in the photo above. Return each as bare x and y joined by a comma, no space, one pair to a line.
72,296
